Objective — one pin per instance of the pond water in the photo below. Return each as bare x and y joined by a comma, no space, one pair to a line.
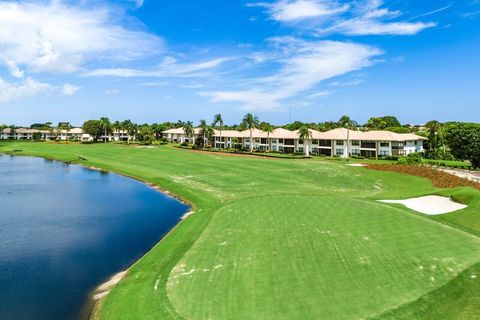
65,229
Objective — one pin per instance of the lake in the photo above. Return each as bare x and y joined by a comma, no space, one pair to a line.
65,229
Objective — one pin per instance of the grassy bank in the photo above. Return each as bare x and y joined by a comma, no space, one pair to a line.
284,239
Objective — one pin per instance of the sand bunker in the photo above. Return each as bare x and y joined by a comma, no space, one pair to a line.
356,165
431,205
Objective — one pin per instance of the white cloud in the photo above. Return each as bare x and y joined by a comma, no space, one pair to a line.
139,3
359,27
27,87
348,83
293,10
363,17
14,69
70,89
168,68
320,94
112,92
55,37
153,84
301,70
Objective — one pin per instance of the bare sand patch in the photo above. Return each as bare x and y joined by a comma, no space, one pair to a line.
356,165
104,289
431,205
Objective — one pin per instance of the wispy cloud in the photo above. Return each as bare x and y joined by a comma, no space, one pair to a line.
435,11
27,87
363,17
168,68
69,89
14,69
347,83
112,92
290,11
304,65
56,37
320,94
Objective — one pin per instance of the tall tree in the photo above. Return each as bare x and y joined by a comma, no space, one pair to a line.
464,141
305,134
188,129
349,124
116,127
106,127
93,128
131,129
146,134
376,123
217,119
268,128
204,129
250,122
392,121
433,129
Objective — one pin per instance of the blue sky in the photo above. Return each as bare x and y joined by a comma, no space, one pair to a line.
308,60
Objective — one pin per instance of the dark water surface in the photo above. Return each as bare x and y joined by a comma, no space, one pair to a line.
65,229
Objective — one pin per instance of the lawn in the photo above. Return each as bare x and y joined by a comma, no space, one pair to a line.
289,239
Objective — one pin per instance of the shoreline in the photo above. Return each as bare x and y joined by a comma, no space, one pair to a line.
96,296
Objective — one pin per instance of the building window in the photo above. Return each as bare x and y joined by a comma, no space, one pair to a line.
274,140
280,141
315,142
274,148
355,143
356,152
384,153
339,142
384,144
325,143
339,152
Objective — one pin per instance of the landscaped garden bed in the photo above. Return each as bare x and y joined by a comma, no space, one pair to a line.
440,179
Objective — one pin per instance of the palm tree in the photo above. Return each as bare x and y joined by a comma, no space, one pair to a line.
188,129
131,129
106,126
250,122
433,136
346,122
204,128
12,131
268,128
117,126
217,119
305,134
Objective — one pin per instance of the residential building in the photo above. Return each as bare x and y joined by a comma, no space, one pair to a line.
338,142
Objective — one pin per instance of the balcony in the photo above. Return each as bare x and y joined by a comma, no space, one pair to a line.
368,145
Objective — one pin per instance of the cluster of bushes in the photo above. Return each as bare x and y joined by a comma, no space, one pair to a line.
413,158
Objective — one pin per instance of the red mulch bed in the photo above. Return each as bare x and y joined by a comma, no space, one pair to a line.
439,178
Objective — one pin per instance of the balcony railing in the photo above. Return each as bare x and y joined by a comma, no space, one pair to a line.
368,145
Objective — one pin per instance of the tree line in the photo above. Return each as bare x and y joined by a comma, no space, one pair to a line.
446,141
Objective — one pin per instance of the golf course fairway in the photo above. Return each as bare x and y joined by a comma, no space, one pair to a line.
289,239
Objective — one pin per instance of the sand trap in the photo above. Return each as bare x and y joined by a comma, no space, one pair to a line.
431,205
356,165
145,147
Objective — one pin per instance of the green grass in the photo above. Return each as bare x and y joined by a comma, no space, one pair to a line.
449,163
289,239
